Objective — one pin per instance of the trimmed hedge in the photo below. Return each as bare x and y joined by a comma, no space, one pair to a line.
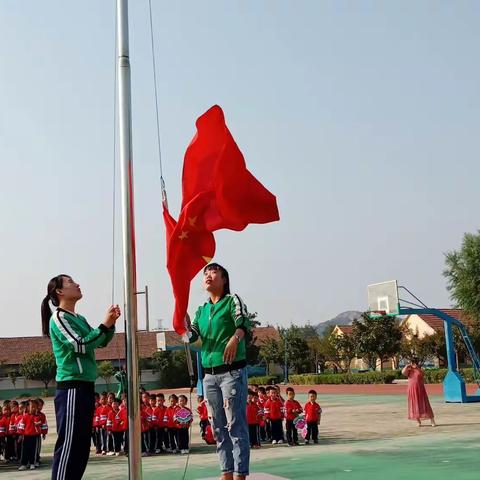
265,380
344,378
431,376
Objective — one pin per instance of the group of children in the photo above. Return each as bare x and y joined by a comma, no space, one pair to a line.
165,428
23,425
266,410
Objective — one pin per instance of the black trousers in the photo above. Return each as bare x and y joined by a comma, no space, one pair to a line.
152,440
74,409
29,450
160,433
125,441
312,431
277,429
203,427
146,441
10,447
292,434
182,436
117,440
173,438
254,434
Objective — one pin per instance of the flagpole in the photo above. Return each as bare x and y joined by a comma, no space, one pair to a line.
128,231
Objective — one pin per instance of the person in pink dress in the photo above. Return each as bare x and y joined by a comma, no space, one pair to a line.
418,404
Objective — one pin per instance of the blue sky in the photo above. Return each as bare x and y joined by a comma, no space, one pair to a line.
362,117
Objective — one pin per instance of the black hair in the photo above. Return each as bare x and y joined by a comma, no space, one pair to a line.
173,397
53,285
290,389
184,397
223,271
200,396
160,395
312,392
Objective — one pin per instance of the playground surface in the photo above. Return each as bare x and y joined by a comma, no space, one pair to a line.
364,435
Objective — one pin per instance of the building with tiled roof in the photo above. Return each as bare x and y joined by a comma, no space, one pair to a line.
424,325
14,349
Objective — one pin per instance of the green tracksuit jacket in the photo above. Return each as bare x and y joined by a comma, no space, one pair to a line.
74,342
215,324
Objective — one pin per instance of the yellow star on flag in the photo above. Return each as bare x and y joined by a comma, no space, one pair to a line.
183,235
192,221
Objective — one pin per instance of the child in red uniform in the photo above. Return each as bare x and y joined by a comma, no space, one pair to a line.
170,421
9,438
95,427
145,420
22,407
254,415
30,430
4,424
160,424
102,411
44,429
203,414
274,412
262,398
292,410
124,417
115,428
153,422
182,428
313,414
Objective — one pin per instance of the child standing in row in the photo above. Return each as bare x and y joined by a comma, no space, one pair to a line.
313,414
292,410
182,426
254,418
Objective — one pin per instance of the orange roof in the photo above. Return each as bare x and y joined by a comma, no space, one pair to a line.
345,329
437,323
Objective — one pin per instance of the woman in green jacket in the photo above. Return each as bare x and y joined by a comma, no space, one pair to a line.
221,324
74,342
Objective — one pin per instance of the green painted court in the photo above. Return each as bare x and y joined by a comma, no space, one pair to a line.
363,437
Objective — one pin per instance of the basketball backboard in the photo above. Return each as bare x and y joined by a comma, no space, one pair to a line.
383,298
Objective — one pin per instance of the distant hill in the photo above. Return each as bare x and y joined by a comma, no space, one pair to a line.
344,318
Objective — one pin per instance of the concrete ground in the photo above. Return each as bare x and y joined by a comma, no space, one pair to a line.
362,436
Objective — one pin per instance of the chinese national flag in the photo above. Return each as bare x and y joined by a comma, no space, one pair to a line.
218,192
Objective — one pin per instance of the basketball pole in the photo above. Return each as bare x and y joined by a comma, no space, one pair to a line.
128,234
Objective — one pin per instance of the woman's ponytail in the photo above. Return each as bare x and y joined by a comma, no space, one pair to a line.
53,285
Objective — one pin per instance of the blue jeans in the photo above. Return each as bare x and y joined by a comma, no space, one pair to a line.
226,394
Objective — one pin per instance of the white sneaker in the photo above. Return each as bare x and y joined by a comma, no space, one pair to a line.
37,464
21,468
144,454
280,441
110,454
32,467
157,451
274,442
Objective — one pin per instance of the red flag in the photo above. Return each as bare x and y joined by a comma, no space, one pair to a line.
213,162
218,192
189,248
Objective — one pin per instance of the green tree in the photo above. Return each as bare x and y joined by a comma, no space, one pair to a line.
252,349
376,338
462,271
39,366
106,371
13,375
341,349
270,351
172,367
296,349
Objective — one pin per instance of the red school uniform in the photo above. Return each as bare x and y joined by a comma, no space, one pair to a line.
27,426
102,413
115,421
4,425
274,409
124,417
169,416
254,413
144,419
292,409
41,423
160,415
202,410
312,412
